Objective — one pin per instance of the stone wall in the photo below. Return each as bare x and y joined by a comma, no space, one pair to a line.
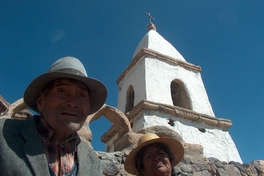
193,164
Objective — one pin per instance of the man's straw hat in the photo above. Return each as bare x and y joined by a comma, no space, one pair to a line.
67,67
175,147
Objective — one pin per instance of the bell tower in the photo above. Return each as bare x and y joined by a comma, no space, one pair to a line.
159,73
160,88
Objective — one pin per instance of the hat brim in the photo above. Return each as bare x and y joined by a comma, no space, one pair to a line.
175,147
97,89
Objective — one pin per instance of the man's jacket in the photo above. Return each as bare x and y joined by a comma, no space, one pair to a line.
22,151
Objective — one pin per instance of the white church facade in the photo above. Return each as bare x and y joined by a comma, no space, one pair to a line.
158,75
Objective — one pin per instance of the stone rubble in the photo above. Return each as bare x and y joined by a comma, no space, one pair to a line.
196,165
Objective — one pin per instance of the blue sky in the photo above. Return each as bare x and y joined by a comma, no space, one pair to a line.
225,38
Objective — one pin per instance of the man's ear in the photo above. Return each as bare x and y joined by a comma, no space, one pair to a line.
40,103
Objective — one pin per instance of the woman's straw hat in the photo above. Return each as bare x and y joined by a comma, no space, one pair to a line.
175,147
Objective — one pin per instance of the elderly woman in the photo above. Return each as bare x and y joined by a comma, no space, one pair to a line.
154,155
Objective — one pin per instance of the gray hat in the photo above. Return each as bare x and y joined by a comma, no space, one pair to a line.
67,67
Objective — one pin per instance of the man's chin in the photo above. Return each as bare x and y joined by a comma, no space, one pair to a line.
73,127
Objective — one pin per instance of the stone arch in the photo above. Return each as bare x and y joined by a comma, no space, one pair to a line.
115,116
18,110
179,95
130,97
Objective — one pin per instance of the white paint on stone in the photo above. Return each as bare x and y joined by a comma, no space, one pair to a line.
159,76
136,78
153,40
151,79
216,142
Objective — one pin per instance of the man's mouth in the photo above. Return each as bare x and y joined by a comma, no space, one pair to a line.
69,114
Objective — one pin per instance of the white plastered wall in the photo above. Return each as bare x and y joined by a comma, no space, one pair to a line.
151,79
216,142
136,78
159,76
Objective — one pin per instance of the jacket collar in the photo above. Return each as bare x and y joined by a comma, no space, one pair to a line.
34,149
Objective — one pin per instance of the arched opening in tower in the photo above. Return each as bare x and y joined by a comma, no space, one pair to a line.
130,99
179,95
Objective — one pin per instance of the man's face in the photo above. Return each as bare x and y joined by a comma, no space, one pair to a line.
66,106
156,162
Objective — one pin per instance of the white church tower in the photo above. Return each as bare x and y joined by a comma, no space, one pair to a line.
161,88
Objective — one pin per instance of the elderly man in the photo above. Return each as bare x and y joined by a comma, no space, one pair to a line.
48,143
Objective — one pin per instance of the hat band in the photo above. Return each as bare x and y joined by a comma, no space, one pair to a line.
70,71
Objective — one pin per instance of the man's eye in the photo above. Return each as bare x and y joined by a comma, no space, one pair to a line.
83,95
60,90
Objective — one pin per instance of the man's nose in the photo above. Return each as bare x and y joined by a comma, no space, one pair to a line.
72,101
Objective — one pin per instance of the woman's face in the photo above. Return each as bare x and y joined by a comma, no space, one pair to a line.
156,162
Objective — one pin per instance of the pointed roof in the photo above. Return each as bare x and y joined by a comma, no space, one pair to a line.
154,41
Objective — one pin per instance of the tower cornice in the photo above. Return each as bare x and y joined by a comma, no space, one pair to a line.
184,113
144,52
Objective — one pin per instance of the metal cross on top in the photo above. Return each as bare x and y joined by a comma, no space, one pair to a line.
150,17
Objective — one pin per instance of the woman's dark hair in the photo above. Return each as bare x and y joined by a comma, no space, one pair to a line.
139,156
